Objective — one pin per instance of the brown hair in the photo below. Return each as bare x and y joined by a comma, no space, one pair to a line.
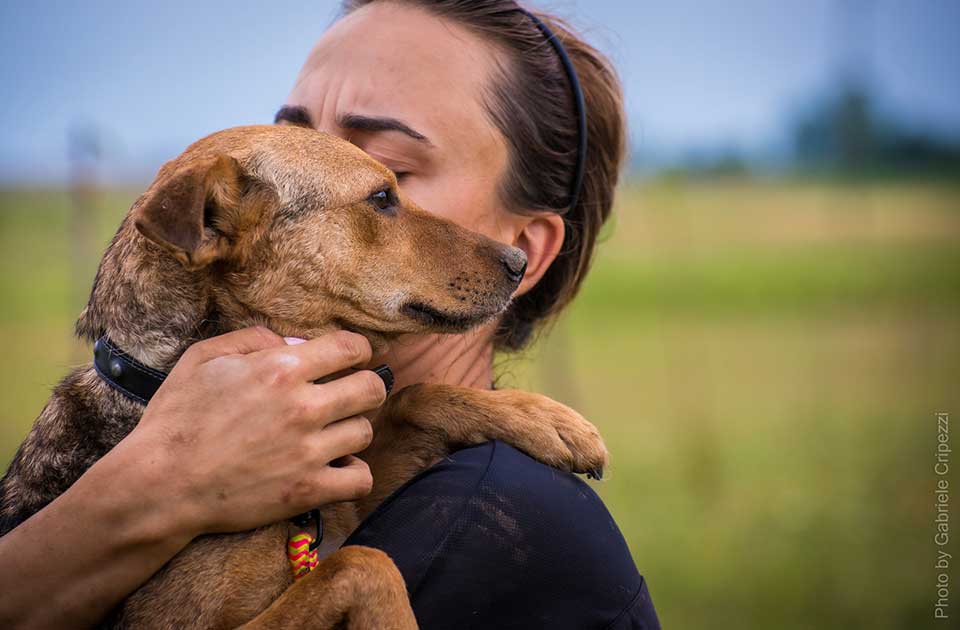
532,104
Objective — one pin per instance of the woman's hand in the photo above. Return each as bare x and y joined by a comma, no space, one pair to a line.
241,436
238,436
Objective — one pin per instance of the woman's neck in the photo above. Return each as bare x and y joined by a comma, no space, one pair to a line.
465,359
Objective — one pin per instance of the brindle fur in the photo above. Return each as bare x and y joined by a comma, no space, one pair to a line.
272,226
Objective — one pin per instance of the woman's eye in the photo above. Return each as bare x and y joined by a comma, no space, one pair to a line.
383,201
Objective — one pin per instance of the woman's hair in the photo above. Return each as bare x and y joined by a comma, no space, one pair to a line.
532,103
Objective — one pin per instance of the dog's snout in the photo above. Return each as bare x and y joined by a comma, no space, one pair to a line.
515,263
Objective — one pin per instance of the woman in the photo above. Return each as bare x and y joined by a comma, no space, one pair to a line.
471,104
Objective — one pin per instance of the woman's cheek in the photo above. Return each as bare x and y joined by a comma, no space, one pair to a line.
461,200
428,195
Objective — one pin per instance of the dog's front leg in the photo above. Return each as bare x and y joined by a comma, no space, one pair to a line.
357,588
422,423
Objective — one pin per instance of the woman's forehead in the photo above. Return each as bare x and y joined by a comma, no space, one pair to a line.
393,61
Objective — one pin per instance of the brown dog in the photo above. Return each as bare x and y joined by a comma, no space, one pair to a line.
304,234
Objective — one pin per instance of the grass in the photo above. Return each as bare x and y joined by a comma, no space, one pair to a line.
764,359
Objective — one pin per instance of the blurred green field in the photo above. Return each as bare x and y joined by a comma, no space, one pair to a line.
765,359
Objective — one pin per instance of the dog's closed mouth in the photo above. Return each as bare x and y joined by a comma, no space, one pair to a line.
438,319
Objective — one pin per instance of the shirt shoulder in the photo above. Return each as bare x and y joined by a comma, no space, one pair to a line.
491,538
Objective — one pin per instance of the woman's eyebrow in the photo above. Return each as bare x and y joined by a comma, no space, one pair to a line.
359,122
294,115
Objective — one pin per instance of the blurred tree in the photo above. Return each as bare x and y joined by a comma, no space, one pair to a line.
842,133
838,133
84,150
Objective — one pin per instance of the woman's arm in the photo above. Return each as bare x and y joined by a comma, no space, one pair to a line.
237,437
70,563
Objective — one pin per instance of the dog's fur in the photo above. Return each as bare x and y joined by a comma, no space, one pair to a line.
275,226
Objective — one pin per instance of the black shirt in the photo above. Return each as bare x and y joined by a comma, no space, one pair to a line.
490,538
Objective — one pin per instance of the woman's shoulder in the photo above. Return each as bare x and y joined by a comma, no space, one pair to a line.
490,528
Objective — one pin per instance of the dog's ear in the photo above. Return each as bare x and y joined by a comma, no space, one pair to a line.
186,209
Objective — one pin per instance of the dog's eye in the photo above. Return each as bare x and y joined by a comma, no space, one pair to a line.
384,201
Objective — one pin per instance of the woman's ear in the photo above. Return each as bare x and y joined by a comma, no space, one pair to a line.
541,238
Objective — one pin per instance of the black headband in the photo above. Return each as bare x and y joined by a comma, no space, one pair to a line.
578,103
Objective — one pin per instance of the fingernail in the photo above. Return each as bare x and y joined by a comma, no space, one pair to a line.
386,375
292,341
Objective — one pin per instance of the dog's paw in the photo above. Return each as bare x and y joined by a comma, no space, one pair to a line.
557,435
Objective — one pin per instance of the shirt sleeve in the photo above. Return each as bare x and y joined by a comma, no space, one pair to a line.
490,538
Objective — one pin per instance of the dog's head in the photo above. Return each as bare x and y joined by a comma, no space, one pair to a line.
302,231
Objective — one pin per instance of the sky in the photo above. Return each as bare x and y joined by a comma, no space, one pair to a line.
698,74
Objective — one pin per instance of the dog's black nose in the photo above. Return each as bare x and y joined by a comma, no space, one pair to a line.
515,262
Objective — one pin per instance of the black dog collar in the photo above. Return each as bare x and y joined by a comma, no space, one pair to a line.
119,370
140,382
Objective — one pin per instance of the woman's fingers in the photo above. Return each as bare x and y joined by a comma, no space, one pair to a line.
310,360
343,438
243,341
347,482
349,395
